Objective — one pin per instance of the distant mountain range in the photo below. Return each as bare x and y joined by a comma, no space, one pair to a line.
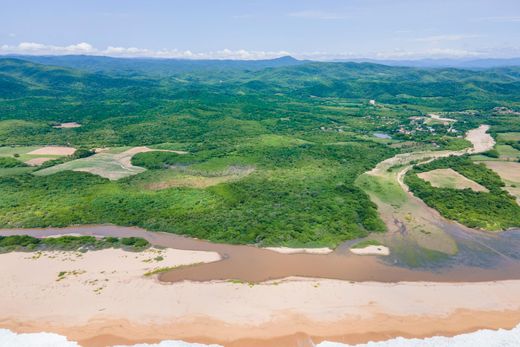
168,66
154,65
443,63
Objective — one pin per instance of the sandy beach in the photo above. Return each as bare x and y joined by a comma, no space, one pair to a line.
104,297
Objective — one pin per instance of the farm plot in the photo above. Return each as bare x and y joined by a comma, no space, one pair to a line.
110,164
510,174
449,178
35,155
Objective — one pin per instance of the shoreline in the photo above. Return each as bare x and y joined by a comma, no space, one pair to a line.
288,331
104,297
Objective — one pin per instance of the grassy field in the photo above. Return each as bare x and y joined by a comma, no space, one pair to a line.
508,153
448,178
513,136
510,174
14,171
189,177
22,153
103,164
114,164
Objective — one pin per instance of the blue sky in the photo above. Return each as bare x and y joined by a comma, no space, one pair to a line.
318,29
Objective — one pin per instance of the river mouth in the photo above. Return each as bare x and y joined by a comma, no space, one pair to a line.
481,258
459,254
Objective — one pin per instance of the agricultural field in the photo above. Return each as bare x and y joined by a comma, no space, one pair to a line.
504,137
32,156
494,209
510,174
113,164
449,178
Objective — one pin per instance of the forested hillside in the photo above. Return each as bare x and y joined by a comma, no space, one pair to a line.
273,148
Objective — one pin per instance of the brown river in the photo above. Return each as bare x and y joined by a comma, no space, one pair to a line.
481,257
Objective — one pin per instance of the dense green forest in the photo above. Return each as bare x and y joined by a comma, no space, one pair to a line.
286,138
493,210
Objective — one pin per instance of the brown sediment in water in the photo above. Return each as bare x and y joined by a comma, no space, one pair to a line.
253,264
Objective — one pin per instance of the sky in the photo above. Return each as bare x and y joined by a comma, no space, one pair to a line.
259,29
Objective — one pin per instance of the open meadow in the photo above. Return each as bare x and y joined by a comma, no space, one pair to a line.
449,178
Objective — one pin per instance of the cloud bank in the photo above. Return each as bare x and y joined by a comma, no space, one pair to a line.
33,48
114,51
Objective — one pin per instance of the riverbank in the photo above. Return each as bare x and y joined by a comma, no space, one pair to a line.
132,307
254,264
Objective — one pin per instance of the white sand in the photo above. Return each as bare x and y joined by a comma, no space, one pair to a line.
289,250
105,292
480,139
93,281
110,283
53,150
371,250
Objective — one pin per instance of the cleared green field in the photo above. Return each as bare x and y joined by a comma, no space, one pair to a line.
113,164
384,188
21,153
510,174
449,178
508,152
108,165
513,136
9,151
13,171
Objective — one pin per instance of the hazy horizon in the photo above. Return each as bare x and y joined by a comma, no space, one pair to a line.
233,29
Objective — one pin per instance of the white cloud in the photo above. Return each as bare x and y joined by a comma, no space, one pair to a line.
311,14
39,48
86,48
118,51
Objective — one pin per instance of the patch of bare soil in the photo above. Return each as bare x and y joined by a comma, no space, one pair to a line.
54,150
67,125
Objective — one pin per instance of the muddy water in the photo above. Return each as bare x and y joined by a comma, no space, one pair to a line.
484,258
